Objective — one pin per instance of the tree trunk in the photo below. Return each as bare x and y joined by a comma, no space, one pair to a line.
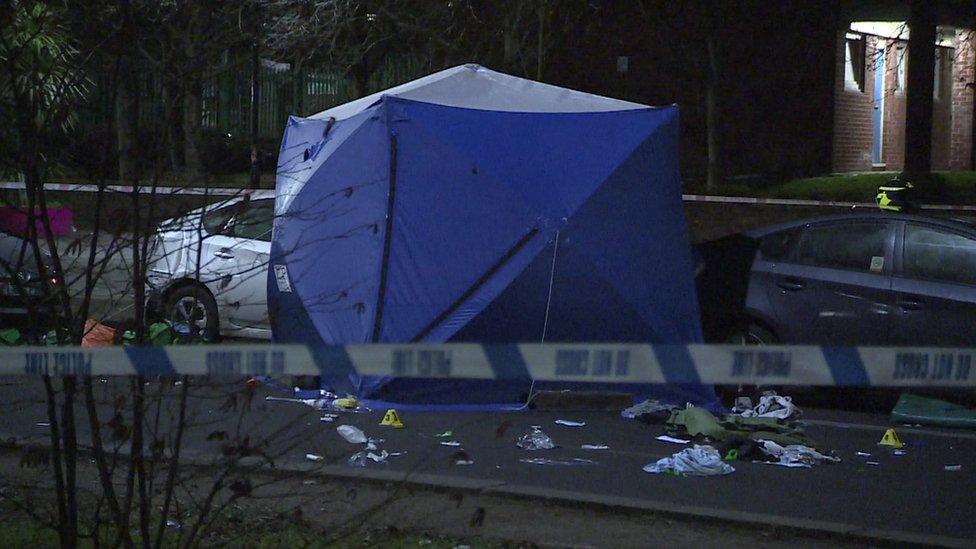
360,75
255,181
921,81
174,122
713,118
192,112
126,100
193,96
126,119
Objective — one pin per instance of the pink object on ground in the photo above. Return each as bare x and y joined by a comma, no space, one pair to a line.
14,220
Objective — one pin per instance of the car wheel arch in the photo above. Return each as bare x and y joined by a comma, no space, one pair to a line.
748,318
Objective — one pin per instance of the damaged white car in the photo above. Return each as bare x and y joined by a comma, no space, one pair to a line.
208,268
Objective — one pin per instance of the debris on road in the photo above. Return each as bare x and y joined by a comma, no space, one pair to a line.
451,443
863,454
696,421
890,438
392,419
673,440
547,461
378,458
770,405
314,457
535,440
796,453
697,461
568,423
445,434
649,411
594,447
953,467
353,435
357,460
97,334
329,418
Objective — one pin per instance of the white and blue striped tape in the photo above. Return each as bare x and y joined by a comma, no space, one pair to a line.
571,362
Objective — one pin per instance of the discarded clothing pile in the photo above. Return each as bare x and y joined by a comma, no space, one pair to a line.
649,411
700,461
770,405
732,428
794,455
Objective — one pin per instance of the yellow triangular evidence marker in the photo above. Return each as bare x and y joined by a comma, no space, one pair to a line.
392,418
890,438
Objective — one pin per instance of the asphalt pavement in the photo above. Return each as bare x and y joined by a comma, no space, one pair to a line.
907,498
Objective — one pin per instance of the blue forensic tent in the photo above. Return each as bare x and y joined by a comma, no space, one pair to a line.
475,206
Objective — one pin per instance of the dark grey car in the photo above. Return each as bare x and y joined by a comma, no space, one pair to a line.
872,278
27,293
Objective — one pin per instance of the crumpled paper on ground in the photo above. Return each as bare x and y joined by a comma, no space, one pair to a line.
701,461
647,407
535,440
796,454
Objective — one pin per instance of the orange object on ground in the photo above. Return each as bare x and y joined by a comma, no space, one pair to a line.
97,334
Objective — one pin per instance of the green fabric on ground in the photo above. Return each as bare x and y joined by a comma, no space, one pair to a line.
930,411
11,336
699,421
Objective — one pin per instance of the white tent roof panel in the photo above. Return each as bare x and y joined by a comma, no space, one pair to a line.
475,87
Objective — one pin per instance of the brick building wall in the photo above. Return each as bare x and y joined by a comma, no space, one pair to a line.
853,109
942,113
893,133
963,77
951,110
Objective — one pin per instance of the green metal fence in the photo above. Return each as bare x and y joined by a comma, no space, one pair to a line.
284,91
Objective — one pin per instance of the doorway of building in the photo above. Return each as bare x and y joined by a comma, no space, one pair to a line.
877,118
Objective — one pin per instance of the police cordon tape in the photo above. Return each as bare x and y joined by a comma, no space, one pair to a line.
230,191
570,362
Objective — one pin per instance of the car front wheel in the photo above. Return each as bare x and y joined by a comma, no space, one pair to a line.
752,334
192,306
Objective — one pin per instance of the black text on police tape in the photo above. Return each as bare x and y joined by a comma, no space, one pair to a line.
58,363
747,364
933,366
421,363
255,362
592,363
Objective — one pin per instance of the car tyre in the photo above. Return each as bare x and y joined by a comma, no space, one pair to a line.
195,306
752,334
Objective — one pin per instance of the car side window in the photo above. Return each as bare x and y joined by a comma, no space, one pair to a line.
932,254
255,222
779,246
851,246
217,221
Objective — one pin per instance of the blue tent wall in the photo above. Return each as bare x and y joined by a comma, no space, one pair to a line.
479,196
622,268
331,236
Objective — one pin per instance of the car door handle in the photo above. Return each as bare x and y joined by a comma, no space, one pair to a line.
790,284
909,305
224,253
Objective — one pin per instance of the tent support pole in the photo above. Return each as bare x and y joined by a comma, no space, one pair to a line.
477,284
387,240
